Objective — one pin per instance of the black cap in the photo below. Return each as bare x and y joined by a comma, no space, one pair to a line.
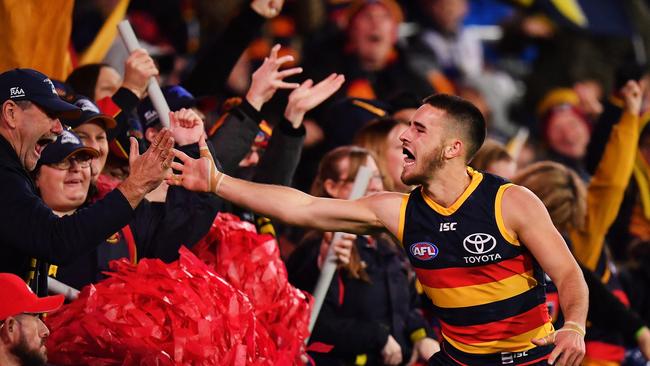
89,113
346,116
31,85
66,144
177,97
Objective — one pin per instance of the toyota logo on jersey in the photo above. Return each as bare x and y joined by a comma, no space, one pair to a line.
479,243
424,251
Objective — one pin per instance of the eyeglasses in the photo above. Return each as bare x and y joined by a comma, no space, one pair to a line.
83,161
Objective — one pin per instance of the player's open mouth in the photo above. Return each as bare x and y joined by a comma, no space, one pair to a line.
409,158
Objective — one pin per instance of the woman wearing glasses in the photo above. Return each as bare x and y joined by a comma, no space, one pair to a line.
62,177
69,168
63,173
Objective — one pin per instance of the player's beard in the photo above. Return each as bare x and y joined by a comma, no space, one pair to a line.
28,356
432,163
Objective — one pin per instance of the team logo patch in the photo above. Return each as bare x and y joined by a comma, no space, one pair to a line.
479,243
87,106
68,138
150,115
424,251
51,85
16,92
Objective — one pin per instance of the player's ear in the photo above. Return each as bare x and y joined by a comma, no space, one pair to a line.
453,149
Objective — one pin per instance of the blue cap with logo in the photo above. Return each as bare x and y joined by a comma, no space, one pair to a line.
177,97
67,144
36,87
89,113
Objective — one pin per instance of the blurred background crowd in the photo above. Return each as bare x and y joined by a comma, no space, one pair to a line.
549,77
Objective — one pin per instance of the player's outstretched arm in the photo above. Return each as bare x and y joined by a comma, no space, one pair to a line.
527,219
367,215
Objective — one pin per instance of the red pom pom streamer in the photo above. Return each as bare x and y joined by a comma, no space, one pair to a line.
238,310
159,314
251,263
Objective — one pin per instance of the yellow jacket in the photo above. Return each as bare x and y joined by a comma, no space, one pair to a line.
605,192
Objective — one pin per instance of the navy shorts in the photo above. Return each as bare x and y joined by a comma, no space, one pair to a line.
449,356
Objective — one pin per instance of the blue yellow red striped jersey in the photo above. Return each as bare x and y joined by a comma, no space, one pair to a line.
486,288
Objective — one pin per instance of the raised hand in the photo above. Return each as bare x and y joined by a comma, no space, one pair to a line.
589,102
632,96
186,127
267,8
148,170
569,344
307,96
199,175
267,78
138,69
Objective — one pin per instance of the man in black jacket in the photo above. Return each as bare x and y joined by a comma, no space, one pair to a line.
30,234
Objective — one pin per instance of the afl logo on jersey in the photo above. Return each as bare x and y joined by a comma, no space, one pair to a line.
479,243
424,251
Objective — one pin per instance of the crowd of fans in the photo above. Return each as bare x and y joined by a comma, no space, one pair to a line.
302,93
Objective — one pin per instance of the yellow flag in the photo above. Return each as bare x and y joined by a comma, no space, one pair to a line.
572,10
97,50
36,34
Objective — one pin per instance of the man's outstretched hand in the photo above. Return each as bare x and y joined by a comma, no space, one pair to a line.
148,170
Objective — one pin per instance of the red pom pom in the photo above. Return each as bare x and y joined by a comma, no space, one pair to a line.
251,263
160,314
238,310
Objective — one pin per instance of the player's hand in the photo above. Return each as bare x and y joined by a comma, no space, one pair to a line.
342,248
569,345
267,78
423,350
392,352
198,175
307,96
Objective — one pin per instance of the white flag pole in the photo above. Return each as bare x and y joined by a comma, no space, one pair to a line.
155,94
329,265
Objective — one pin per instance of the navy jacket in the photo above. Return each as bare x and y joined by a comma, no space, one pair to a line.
158,228
29,229
357,316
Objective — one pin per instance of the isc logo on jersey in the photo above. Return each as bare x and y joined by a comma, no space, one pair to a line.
424,251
